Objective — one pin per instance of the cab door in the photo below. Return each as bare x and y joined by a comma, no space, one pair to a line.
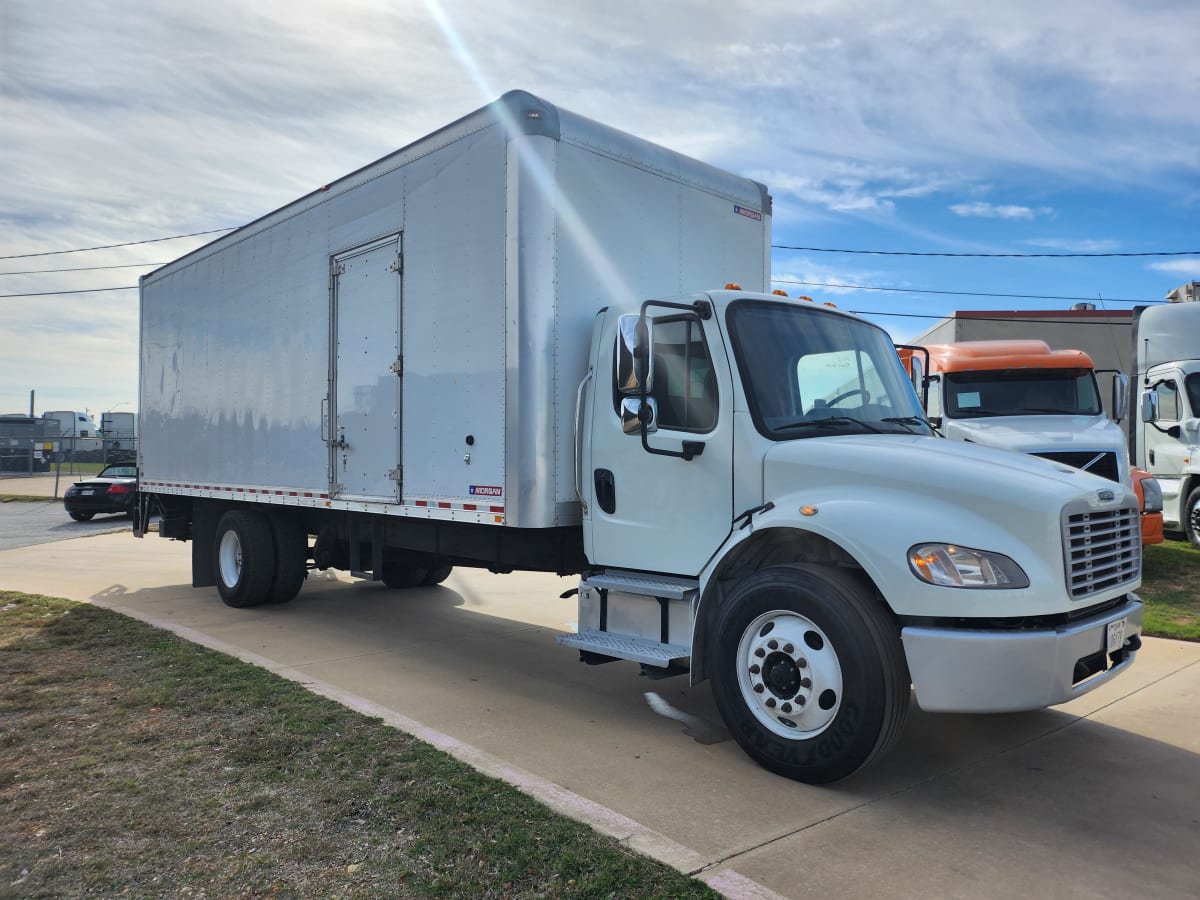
662,513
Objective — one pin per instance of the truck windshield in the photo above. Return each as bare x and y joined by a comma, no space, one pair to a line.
1020,392
810,372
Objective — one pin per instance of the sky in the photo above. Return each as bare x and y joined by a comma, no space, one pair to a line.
917,126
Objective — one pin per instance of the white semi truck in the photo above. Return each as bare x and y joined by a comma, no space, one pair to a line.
495,348
1164,438
1020,395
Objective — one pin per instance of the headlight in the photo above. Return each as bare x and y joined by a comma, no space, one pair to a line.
1151,495
950,565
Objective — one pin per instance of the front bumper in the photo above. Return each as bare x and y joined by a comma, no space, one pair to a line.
964,670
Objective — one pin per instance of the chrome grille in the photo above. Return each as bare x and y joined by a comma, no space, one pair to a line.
1103,549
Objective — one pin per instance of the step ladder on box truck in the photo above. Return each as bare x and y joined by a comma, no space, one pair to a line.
498,347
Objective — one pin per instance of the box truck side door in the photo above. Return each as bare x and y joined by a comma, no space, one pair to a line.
656,512
365,379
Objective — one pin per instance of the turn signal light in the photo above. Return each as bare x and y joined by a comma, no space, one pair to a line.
733,286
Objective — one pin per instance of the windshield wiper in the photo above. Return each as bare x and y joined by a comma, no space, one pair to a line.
835,422
1057,412
907,422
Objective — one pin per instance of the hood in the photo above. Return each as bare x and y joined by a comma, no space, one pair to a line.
964,475
1038,434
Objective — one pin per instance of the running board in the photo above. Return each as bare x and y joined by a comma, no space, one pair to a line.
651,653
647,585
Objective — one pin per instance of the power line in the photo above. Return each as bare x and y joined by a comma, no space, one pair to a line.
129,287
985,255
86,268
173,237
867,287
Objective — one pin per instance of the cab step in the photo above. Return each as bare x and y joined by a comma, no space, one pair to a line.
619,646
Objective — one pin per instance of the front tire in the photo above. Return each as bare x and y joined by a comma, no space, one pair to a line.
1191,518
244,557
808,672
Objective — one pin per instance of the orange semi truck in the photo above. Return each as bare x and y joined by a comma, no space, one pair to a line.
1021,395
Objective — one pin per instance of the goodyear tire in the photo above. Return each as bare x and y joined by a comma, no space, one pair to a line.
808,672
244,557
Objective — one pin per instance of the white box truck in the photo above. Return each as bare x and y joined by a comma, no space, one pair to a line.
1164,438
494,348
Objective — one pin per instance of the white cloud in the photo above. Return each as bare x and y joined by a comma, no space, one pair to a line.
127,120
983,210
1188,267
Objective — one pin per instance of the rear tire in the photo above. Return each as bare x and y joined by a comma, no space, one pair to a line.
291,558
1191,518
809,673
81,517
244,557
438,574
404,576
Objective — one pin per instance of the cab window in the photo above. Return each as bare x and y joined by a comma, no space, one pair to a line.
685,385
1168,400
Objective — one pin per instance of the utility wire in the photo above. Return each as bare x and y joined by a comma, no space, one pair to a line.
86,268
173,237
130,287
867,287
984,255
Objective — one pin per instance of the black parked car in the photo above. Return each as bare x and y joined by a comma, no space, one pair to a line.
114,490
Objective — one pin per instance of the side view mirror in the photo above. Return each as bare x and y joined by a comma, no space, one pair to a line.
1149,406
635,356
1120,397
633,412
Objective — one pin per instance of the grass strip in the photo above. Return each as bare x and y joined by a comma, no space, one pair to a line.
135,763
1171,590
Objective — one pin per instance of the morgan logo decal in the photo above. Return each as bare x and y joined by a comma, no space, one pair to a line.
748,213
482,490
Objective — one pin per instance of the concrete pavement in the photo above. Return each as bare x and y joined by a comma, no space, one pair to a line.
1097,798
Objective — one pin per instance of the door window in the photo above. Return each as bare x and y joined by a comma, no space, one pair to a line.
685,386
1168,400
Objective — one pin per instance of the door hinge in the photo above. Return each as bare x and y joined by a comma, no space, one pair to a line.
397,366
397,265
396,474
336,488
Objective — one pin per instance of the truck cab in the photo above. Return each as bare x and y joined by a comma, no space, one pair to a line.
1165,433
764,505
1022,396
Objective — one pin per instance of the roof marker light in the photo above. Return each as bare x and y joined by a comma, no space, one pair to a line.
733,286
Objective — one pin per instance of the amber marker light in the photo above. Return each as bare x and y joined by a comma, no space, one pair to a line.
808,510
733,286
779,293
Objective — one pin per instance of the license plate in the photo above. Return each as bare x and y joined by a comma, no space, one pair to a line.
87,493
1116,635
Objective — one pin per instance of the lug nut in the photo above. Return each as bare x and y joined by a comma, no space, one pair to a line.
771,702
758,689
754,669
787,707
789,649
802,663
773,644
799,701
805,682
760,652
